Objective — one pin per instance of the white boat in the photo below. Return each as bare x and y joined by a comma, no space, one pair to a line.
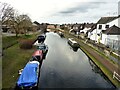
73,43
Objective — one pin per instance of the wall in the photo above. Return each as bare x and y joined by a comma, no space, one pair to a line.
111,40
103,40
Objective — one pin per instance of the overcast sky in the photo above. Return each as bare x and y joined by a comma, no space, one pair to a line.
65,11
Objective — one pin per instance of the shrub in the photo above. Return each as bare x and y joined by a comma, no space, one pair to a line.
26,43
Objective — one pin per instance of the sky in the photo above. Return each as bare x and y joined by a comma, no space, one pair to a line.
65,11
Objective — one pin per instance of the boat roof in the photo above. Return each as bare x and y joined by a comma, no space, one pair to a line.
37,53
28,76
73,41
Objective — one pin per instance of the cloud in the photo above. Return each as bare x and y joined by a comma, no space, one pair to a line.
64,11
81,7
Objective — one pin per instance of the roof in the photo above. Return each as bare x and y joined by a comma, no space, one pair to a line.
71,39
89,25
105,20
92,28
114,30
77,25
37,53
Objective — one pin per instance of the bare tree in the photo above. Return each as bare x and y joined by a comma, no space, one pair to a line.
6,12
20,23
25,23
11,18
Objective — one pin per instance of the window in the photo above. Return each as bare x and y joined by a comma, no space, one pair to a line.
100,26
107,26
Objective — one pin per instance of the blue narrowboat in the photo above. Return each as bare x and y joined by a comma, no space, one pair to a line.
29,76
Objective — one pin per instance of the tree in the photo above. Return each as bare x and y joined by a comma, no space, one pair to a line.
25,22
21,23
11,18
6,12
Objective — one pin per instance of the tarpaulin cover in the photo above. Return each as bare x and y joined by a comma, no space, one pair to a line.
29,75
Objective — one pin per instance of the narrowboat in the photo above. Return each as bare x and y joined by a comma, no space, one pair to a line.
37,55
73,43
29,77
61,34
43,47
41,38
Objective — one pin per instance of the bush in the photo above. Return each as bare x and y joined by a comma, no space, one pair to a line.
26,43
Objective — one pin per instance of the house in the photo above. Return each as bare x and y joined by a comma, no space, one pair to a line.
5,28
70,26
87,27
43,27
89,32
103,24
78,27
58,26
34,27
51,26
111,37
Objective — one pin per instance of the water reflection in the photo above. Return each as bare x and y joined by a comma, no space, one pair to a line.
74,49
97,70
65,68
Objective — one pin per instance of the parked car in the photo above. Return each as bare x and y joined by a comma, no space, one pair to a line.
43,47
29,77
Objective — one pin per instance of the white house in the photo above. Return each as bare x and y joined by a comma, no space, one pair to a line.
103,24
87,27
111,37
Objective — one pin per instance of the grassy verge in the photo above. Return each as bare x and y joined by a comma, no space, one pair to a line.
100,65
8,41
14,59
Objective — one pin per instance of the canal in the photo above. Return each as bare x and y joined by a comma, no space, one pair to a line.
65,68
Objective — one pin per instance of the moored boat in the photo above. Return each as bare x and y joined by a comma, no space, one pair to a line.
73,43
29,76
37,55
41,38
43,47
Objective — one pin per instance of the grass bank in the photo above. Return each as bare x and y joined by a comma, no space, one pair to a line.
14,59
8,41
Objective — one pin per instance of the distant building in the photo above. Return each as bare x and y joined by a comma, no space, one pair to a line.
35,27
78,27
43,27
51,26
58,26
87,27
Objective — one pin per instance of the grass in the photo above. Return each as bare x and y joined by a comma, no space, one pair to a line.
8,41
100,65
14,59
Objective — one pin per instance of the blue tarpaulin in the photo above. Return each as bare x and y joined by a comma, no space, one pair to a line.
29,76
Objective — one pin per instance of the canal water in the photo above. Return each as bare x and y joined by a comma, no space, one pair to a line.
65,68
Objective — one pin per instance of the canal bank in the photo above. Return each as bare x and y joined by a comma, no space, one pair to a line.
106,67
